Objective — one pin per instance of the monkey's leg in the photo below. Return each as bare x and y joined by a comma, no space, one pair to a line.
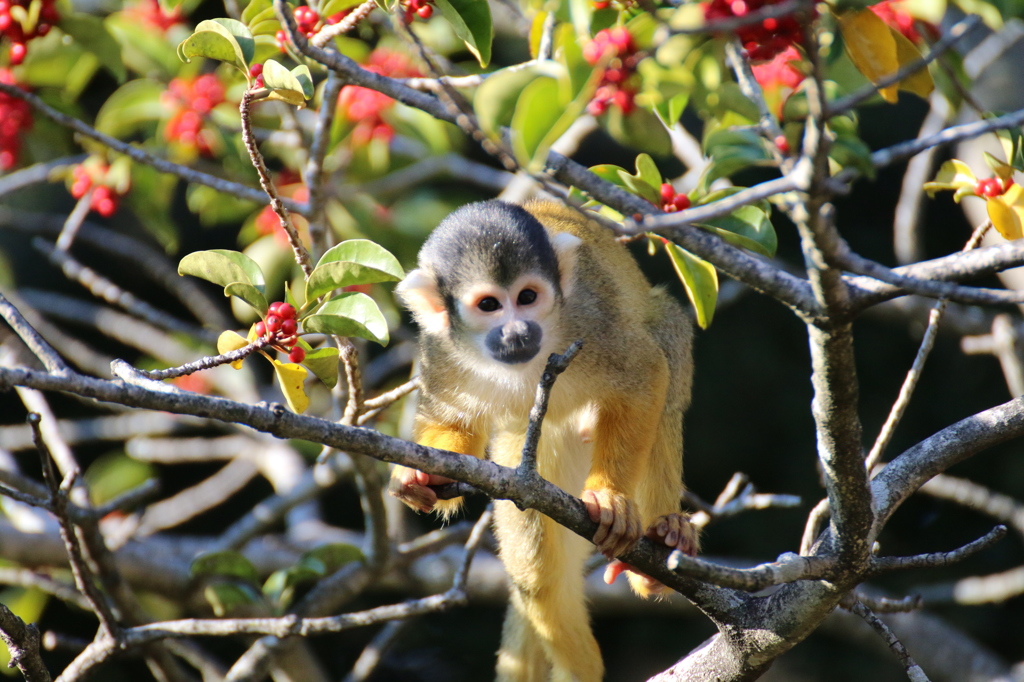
548,604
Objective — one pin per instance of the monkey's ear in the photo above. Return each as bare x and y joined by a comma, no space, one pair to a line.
418,291
565,246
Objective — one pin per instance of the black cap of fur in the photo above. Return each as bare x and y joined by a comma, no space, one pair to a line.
487,241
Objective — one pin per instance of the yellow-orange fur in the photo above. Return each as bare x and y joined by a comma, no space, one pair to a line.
614,425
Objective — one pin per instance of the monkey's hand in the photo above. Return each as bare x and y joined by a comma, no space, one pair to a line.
672,530
411,487
619,521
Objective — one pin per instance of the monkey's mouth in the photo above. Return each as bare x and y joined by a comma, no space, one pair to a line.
514,343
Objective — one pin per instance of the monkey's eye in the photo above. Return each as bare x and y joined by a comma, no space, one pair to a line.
526,297
488,304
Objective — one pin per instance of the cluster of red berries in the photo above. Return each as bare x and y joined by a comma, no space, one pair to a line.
20,27
280,328
105,199
15,119
993,187
150,13
419,8
366,107
764,39
613,88
192,100
309,23
256,73
672,202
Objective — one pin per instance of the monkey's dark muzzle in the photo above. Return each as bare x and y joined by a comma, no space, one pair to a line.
515,342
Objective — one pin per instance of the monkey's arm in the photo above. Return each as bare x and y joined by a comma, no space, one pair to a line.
413,487
625,435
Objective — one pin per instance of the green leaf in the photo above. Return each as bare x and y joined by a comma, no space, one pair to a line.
91,33
537,111
254,8
720,194
731,151
570,53
638,186
332,7
227,563
850,150
225,40
471,20
331,557
323,362
223,267
131,107
611,173
225,597
293,87
640,130
330,276
747,227
280,586
495,99
648,171
349,314
248,293
115,473
700,280
365,252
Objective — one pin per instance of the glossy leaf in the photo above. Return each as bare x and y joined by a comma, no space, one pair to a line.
253,9
747,227
471,21
699,278
1012,142
323,362
349,314
640,130
227,563
1007,212
293,87
249,294
115,473
648,171
223,267
131,107
953,175
91,33
225,40
871,48
332,7
225,597
920,82
356,261
292,378
280,586
230,341
495,99
537,111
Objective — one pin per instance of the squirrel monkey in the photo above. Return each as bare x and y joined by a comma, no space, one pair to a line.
498,289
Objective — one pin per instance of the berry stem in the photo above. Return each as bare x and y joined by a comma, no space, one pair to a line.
74,221
208,362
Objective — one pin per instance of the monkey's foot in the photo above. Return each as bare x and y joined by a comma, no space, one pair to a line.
672,530
410,486
619,521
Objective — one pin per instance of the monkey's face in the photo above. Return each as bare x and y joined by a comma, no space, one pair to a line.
506,324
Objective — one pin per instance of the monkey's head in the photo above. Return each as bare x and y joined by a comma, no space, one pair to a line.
491,282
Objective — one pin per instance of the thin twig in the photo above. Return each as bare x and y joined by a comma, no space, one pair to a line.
373,652
351,20
23,644
376,405
74,221
786,569
881,565
39,347
914,373
914,672
556,365
276,204
208,362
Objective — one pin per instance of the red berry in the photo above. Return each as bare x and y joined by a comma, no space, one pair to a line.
289,327
668,192
261,329
272,308
602,4
782,143
286,310
255,70
425,12
273,323
42,30
297,355
18,52
682,202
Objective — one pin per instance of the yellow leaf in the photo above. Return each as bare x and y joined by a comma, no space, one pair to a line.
229,341
953,175
920,82
1007,212
292,377
871,47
